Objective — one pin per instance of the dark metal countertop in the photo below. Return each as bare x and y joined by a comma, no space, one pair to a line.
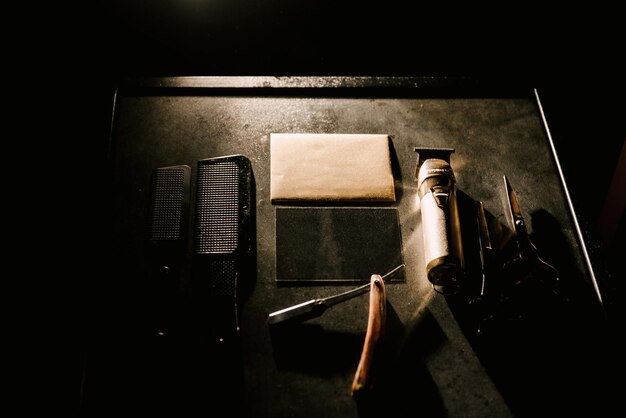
171,121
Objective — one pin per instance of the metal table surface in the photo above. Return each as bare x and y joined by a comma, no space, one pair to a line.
440,369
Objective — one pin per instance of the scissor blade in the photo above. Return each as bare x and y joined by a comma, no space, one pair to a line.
483,229
516,213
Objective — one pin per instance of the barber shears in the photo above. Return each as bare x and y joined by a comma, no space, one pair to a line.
523,286
526,270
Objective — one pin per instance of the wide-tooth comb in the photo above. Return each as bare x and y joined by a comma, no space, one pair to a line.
222,240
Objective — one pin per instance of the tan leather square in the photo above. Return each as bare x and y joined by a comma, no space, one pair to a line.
330,167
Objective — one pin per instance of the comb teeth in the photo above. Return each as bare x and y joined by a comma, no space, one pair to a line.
166,203
217,205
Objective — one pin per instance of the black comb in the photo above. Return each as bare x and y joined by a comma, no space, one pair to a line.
222,240
168,215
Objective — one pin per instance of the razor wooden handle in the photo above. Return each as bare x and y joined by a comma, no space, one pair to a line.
370,356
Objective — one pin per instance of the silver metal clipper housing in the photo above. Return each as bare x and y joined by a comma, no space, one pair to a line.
441,227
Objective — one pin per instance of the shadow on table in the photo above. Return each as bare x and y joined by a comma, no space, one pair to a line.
547,354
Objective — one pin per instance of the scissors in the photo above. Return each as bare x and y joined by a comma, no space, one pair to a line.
526,272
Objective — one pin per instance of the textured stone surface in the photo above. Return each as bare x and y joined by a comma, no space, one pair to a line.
307,371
